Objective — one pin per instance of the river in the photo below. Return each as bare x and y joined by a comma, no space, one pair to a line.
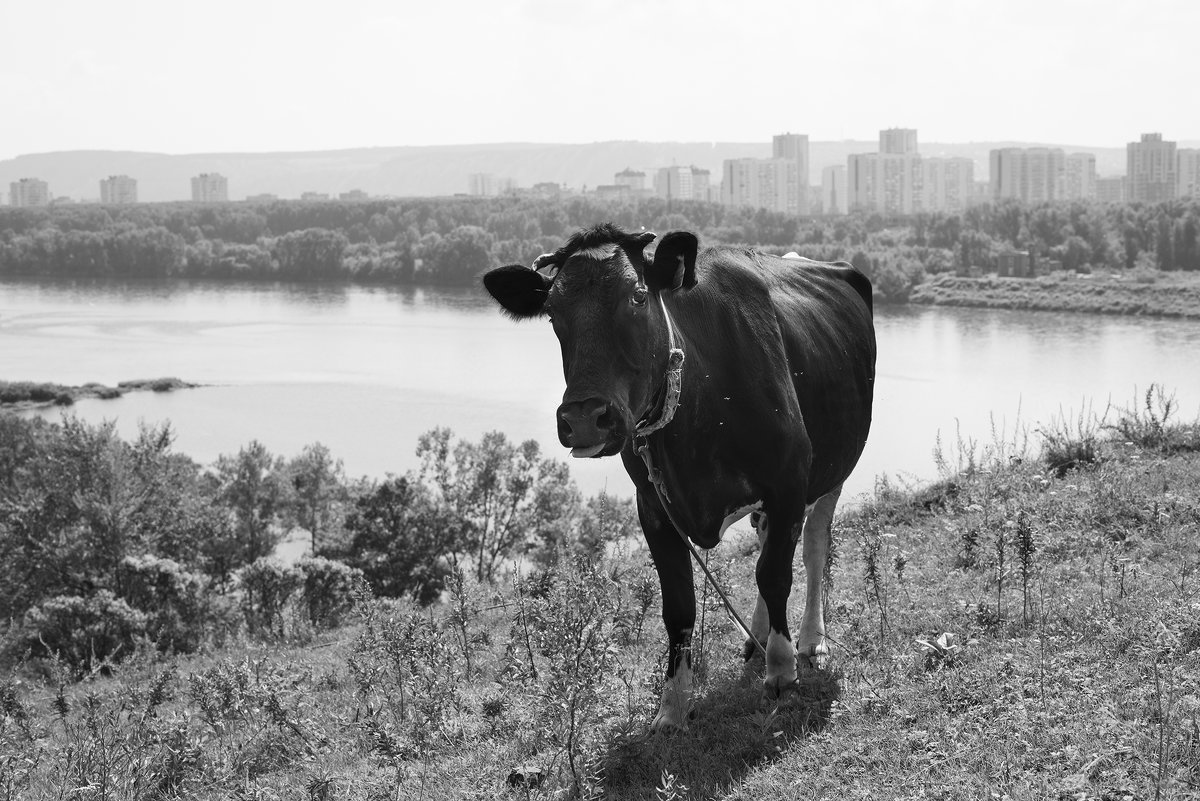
366,370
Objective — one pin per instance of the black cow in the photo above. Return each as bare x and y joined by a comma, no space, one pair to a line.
765,409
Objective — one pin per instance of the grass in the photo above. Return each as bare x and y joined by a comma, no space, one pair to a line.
1023,629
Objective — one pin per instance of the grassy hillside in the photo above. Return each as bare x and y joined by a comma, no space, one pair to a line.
1027,628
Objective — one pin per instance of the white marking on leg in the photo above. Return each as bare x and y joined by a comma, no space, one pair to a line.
810,640
759,623
781,662
675,705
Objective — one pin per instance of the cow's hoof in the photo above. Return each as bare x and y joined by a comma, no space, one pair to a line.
671,721
779,688
814,658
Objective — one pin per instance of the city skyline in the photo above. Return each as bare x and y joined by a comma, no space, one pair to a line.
894,179
263,77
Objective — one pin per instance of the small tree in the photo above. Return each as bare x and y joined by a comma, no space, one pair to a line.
502,497
397,539
253,486
318,491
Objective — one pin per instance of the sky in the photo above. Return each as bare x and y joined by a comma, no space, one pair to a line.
259,75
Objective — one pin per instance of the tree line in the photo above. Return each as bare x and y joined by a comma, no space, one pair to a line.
105,542
450,241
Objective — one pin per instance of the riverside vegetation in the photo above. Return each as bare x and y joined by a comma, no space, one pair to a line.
1024,628
453,240
26,394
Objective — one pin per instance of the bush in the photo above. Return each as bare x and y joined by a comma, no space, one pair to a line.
1069,444
175,600
83,632
267,585
328,591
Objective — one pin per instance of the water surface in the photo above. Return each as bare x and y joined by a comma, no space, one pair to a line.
367,370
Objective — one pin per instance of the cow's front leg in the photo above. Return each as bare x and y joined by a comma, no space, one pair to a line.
774,575
670,555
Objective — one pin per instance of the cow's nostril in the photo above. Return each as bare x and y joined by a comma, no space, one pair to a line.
586,423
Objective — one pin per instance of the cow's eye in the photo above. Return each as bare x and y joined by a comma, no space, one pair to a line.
638,298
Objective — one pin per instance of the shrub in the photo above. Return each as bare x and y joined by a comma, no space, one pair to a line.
267,585
328,591
83,632
1068,444
174,599
1150,426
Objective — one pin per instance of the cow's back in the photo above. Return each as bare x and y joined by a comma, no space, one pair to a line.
784,328
825,319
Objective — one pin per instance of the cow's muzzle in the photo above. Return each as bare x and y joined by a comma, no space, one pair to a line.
590,428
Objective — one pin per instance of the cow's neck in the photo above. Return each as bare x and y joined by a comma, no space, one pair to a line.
672,380
672,387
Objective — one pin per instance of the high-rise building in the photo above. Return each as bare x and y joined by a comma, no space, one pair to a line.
481,184
947,184
29,192
118,189
1150,169
1112,190
772,184
794,147
681,183
210,187
673,183
701,184
898,140
891,181
633,180
1079,176
885,183
833,190
1030,174
1187,172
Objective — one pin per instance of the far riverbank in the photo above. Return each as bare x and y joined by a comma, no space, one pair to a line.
34,395
1152,294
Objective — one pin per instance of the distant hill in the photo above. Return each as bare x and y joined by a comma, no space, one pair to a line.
440,170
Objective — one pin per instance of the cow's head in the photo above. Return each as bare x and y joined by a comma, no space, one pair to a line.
597,291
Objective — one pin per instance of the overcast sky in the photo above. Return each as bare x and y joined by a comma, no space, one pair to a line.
182,76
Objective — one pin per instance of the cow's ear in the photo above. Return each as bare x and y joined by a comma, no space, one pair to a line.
519,290
674,265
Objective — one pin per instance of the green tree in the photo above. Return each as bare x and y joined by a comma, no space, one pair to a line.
311,254
253,486
318,492
460,257
396,537
503,497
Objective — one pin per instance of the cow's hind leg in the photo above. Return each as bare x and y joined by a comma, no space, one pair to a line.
810,642
670,555
758,623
